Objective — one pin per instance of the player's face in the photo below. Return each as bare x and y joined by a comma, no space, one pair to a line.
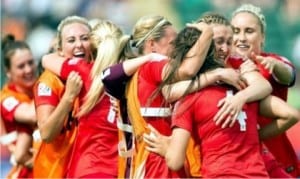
163,45
76,41
223,40
22,70
247,34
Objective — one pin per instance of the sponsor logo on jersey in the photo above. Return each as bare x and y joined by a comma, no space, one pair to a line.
44,90
10,103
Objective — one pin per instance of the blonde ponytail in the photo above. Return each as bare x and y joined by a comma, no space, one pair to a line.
108,39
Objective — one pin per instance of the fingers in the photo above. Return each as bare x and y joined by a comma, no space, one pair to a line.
200,26
226,115
73,84
151,140
153,130
221,114
258,58
234,119
242,82
221,102
74,79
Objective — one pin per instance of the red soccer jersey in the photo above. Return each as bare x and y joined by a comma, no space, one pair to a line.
149,78
95,149
228,152
283,152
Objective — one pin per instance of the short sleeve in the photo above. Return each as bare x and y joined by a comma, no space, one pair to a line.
45,94
182,116
152,71
8,108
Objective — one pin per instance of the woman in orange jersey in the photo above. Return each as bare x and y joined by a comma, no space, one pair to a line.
17,108
55,98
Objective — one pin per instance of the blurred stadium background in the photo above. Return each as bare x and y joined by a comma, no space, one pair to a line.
35,21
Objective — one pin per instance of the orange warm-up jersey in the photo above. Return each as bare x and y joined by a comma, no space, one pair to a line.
10,100
52,158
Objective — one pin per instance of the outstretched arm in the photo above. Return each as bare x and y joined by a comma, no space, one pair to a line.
190,66
130,66
177,90
283,73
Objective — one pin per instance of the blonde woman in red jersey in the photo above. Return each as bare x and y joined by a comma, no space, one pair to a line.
249,27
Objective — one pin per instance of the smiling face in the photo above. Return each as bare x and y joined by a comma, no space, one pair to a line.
22,71
248,36
75,41
223,40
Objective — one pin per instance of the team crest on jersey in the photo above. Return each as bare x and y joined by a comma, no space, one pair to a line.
73,61
10,103
44,90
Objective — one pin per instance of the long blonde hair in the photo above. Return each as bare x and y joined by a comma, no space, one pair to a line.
109,41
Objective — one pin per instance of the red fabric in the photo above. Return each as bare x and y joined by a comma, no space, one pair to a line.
284,151
95,149
227,152
149,78
275,169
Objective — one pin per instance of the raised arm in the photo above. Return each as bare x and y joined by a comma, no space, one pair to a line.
283,114
196,55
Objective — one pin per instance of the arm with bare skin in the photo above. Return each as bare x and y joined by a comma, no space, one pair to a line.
51,118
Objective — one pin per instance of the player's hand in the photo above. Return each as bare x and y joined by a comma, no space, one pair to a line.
73,85
156,142
230,107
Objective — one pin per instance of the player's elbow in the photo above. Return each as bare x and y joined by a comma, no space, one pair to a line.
294,116
20,156
46,136
174,164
